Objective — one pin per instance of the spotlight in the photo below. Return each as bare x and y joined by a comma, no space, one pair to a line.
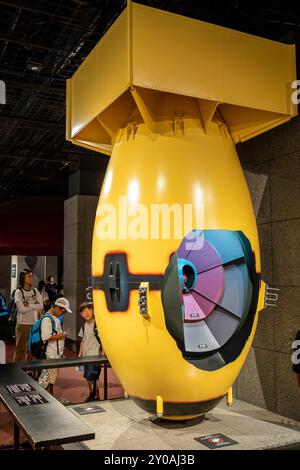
34,66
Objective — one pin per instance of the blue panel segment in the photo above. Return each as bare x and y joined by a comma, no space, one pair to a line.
227,244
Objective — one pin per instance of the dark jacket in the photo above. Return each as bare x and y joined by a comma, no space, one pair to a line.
52,291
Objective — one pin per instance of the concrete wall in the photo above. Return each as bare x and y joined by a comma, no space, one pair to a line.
272,161
51,267
39,268
44,266
80,214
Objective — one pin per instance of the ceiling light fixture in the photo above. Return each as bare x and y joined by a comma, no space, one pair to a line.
34,66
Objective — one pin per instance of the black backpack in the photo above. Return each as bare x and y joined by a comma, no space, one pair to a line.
13,308
4,312
95,332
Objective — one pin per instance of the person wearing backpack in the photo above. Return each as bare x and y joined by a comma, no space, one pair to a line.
4,311
5,331
13,311
53,336
29,305
90,346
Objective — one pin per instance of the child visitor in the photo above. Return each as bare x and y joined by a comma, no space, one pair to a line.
90,346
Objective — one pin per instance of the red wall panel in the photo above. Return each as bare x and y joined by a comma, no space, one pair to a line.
32,226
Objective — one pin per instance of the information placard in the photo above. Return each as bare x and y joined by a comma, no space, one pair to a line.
29,400
19,388
215,441
89,409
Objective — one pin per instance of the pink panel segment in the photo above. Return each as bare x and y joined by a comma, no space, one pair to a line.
192,311
206,306
211,284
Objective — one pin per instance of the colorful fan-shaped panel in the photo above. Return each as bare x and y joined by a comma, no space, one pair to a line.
221,291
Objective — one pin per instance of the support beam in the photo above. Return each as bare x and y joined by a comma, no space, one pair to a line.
46,13
45,158
60,148
33,45
31,123
38,87
40,76
24,178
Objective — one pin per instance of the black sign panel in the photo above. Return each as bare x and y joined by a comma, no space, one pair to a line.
29,400
19,388
88,409
215,441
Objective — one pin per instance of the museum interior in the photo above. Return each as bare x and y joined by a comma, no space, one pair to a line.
174,333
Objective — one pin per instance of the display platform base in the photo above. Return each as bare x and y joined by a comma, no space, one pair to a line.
121,425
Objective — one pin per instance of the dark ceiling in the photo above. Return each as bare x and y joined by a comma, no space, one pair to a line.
42,43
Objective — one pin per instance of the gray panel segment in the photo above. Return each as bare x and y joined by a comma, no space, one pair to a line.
238,289
221,325
198,338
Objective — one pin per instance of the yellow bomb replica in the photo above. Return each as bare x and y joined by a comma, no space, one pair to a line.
176,263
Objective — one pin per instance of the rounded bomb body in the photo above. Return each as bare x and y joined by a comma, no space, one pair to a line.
176,263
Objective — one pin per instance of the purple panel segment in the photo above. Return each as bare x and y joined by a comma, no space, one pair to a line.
194,241
205,259
211,284
192,311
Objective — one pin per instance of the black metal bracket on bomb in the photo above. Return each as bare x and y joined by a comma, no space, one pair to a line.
117,282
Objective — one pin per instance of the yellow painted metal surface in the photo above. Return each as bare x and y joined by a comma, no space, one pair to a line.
159,406
92,90
190,57
247,78
229,397
262,296
194,167
169,103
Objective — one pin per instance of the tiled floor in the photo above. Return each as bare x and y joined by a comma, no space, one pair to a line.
124,426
